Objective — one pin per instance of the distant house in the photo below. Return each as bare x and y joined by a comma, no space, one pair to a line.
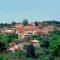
42,31
31,24
35,43
16,47
57,28
20,28
9,32
51,27
29,30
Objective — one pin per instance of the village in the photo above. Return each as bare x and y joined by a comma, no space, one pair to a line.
19,37
25,33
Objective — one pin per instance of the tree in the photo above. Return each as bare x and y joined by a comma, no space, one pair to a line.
6,25
55,43
1,25
36,23
56,32
37,37
25,22
1,46
13,23
5,39
55,47
8,38
13,37
31,51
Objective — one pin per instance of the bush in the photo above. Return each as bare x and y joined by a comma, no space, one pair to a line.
17,54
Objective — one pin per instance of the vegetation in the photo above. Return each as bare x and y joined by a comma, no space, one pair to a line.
55,43
49,46
55,23
25,22
6,39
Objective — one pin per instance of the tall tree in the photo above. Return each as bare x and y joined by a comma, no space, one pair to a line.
13,23
25,22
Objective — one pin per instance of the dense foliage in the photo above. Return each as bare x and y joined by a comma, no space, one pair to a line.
55,23
55,43
6,39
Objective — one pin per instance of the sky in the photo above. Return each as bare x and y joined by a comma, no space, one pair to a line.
33,10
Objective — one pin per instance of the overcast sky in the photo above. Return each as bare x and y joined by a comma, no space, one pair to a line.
40,10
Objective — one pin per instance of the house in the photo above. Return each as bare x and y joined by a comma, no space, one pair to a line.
35,43
42,31
9,32
16,47
57,28
51,27
20,28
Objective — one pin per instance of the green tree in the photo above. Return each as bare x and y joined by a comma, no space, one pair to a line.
5,39
8,38
1,25
55,43
25,22
37,37
13,23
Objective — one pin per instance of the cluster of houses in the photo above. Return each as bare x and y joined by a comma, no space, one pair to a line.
31,29
28,31
22,30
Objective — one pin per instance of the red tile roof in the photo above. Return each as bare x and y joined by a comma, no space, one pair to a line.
9,31
57,28
50,26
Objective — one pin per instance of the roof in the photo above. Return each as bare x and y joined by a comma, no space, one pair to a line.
57,28
9,31
34,41
50,26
